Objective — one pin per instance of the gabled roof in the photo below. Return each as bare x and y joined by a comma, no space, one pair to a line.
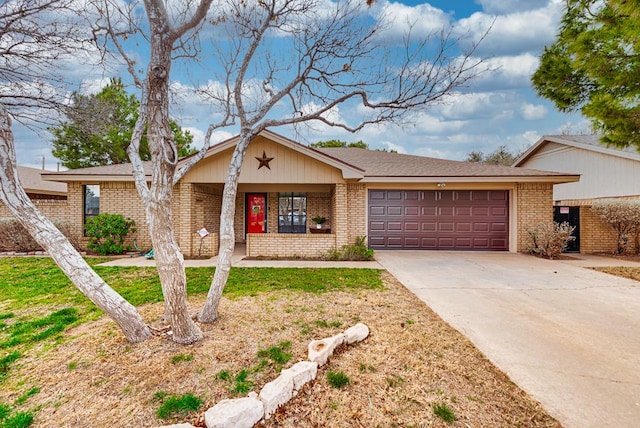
356,164
32,182
586,142
349,171
379,166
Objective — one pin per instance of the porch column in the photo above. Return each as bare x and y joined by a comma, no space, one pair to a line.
356,212
182,221
340,220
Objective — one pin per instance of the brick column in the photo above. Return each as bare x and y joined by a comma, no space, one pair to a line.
535,206
340,210
356,211
182,221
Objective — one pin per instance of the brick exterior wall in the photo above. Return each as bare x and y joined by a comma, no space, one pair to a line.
52,208
319,204
289,244
356,211
595,236
534,206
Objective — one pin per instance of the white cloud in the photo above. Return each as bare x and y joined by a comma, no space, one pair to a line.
507,72
422,19
515,32
533,112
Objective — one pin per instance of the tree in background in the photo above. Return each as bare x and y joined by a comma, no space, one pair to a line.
500,156
594,67
339,143
99,127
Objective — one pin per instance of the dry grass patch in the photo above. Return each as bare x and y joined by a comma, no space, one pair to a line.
625,272
411,364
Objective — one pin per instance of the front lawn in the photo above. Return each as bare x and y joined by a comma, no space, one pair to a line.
63,364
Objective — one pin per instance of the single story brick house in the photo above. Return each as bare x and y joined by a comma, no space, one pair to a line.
397,201
606,173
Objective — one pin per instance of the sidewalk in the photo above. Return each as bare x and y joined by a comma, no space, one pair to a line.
238,260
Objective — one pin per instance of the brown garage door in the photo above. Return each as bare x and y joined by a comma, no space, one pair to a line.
439,219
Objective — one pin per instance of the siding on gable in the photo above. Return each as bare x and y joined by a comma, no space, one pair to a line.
287,166
602,175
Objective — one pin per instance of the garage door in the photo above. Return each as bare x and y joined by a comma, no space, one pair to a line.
439,219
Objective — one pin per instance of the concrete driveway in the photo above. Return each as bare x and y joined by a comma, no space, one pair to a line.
567,335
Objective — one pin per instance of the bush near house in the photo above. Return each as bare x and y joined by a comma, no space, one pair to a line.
624,217
107,233
358,251
14,237
549,240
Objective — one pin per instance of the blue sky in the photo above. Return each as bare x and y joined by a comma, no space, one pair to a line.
498,108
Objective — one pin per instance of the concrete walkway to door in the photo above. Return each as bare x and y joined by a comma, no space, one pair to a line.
569,336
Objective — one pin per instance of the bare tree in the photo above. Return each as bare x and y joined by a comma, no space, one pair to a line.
31,45
170,34
327,55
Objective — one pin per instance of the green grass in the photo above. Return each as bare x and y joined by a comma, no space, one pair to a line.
444,412
180,358
277,354
338,379
38,303
178,406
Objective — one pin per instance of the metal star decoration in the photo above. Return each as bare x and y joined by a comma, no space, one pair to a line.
264,160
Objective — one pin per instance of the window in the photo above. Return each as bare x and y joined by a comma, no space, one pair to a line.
292,213
91,201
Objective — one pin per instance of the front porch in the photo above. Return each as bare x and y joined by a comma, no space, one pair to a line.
273,221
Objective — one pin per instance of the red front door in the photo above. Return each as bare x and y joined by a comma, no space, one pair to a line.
256,208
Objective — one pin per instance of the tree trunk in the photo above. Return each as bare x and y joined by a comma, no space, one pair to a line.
209,312
164,156
58,246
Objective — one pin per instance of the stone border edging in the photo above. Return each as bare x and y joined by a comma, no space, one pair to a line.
247,411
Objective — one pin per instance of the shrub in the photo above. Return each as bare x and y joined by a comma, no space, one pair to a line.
358,251
14,237
548,240
107,232
624,217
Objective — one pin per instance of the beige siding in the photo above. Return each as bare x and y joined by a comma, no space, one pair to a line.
602,175
287,166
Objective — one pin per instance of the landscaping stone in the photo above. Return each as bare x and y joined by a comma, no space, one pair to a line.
235,413
357,333
302,372
321,350
276,393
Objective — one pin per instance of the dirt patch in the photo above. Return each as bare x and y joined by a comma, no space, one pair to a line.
411,362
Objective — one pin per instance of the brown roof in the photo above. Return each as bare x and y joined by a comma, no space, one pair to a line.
369,164
32,182
122,171
386,164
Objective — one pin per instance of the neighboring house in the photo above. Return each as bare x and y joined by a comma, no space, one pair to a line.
397,201
606,172
50,197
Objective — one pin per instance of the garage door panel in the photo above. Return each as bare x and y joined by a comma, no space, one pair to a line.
441,219
412,226
429,226
464,227
377,226
395,211
411,211
377,210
